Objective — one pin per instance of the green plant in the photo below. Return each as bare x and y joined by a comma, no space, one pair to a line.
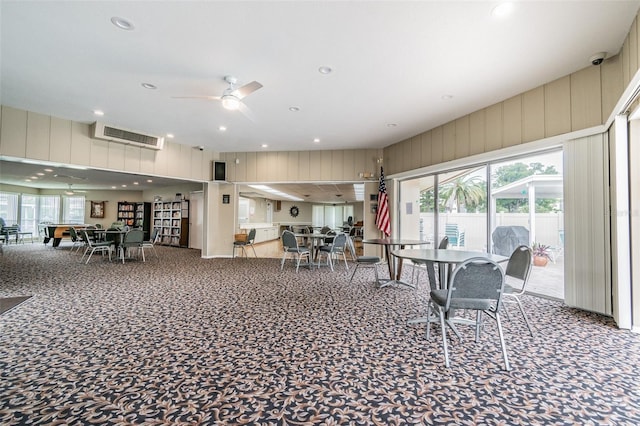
540,250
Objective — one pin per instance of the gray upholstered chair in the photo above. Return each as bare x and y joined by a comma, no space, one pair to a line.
290,246
337,248
476,284
366,261
91,247
517,276
132,240
151,243
417,266
77,240
248,242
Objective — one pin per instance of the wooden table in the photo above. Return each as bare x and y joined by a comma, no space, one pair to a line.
394,263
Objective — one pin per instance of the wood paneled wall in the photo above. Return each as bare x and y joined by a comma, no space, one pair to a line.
301,166
25,134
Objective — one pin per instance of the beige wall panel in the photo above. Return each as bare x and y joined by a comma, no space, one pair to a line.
315,165
436,145
241,167
196,169
252,167
348,170
161,164
557,105
586,100
612,85
180,160
99,153
13,136
533,114
477,132
493,128
262,166
326,163
337,165
626,71
415,158
147,161
304,166
449,141
81,144
463,137
292,166
60,150
132,158
282,162
393,160
38,136
633,47
359,163
512,121
173,158
115,156
425,142
388,159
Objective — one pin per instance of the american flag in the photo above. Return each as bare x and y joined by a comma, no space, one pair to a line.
383,222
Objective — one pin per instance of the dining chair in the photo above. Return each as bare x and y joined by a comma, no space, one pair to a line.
248,242
476,284
367,261
78,243
151,243
517,276
132,240
92,247
290,246
418,266
337,248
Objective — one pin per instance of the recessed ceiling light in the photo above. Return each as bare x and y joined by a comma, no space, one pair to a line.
113,187
122,23
446,97
124,186
294,109
34,177
325,70
170,135
27,180
264,145
98,112
502,10
40,174
48,170
316,140
135,183
149,86
149,180
392,125
222,128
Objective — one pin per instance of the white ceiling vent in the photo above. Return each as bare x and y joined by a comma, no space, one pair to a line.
102,131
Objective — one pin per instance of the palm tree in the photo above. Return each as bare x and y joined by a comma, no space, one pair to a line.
463,191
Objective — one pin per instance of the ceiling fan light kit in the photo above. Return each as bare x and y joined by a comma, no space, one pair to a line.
230,102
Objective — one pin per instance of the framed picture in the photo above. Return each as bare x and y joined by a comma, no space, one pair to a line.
373,197
226,198
97,209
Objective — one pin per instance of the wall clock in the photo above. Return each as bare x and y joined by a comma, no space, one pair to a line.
293,211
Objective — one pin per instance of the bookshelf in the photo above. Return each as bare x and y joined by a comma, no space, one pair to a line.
171,218
135,215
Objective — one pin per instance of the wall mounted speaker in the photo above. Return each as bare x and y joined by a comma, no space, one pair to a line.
219,170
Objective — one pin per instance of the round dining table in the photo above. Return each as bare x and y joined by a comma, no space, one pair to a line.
394,262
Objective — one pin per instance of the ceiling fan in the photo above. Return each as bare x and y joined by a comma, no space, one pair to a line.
71,191
232,96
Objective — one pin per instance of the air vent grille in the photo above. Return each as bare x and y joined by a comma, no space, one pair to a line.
130,136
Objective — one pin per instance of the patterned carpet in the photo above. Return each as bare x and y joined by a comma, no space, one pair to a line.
191,341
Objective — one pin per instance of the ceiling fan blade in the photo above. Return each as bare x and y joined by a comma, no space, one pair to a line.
211,98
247,89
246,112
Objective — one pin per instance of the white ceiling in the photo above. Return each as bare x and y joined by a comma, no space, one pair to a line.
393,62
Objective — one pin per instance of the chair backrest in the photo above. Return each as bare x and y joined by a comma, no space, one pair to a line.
133,237
98,226
325,229
73,233
519,265
289,240
477,283
2,223
339,241
82,234
252,235
444,243
154,235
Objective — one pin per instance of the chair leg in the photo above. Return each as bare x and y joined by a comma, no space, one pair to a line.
254,251
441,314
524,315
502,343
354,272
283,259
